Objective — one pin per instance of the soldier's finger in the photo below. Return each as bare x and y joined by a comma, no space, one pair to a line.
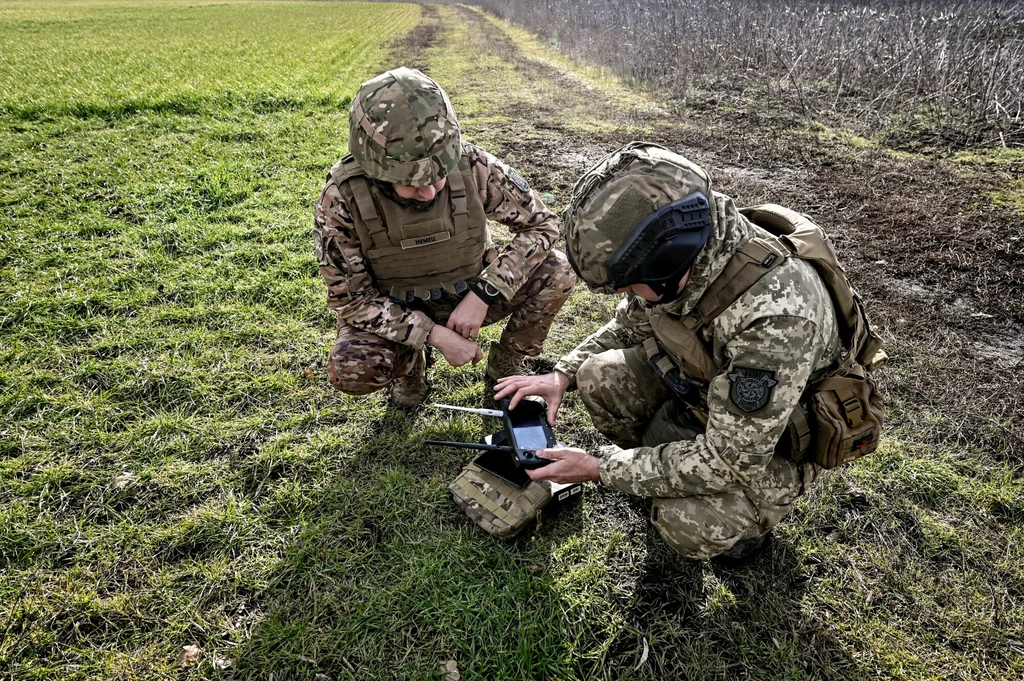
552,454
479,355
520,394
502,391
553,405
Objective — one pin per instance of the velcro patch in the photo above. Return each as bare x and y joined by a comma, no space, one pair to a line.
414,230
516,179
426,240
751,389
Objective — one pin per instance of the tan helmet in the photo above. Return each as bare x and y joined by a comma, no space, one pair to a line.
641,215
402,129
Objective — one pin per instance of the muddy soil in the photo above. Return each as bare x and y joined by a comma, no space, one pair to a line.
941,267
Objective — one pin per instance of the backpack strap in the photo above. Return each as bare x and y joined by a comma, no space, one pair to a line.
809,242
752,261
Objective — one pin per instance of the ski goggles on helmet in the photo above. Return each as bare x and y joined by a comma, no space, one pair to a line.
664,245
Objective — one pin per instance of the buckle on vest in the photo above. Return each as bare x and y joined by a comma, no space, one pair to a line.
687,389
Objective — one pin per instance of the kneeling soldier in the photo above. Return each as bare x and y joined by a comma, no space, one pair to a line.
726,378
402,242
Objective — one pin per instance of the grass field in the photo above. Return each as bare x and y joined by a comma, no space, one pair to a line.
176,470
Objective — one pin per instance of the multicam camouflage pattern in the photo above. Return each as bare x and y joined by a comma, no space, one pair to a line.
613,196
497,506
715,484
353,293
402,129
361,362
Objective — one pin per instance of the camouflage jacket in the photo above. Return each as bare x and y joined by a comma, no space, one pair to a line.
784,326
352,291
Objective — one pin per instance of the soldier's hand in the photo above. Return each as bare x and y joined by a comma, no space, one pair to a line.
456,349
570,465
468,316
551,387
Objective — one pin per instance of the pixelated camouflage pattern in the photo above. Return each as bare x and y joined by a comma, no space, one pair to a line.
784,324
655,172
698,526
361,362
353,293
714,487
402,129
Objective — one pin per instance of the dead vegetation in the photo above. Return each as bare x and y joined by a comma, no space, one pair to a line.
948,72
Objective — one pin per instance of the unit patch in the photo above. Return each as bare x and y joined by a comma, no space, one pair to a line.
516,179
751,388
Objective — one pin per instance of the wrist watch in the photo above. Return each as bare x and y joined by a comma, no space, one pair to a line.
486,292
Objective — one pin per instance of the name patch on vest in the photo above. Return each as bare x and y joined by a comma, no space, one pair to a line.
424,233
751,388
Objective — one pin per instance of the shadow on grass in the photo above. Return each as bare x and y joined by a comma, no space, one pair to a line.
382,577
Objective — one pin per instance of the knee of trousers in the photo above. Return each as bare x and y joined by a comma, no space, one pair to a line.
593,387
355,372
702,527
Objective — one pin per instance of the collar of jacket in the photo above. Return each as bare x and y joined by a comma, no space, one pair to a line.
731,230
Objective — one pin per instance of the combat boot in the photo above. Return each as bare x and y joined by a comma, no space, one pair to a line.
744,551
501,362
410,389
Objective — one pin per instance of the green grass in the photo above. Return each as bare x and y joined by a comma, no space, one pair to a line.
174,467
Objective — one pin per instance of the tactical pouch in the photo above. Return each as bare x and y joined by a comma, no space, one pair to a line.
848,417
499,507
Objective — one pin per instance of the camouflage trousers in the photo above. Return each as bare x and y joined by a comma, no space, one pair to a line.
633,406
361,362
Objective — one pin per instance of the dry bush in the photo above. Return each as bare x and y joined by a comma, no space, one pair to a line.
949,67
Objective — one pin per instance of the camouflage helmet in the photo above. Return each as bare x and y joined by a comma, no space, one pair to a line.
402,129
616,195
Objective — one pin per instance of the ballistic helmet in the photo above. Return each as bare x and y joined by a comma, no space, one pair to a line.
640,216
402,129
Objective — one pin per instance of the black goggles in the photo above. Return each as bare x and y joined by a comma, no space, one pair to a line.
664,245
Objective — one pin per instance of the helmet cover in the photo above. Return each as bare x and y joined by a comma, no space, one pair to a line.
617,195
402,129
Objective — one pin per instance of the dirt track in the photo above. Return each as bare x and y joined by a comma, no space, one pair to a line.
941,268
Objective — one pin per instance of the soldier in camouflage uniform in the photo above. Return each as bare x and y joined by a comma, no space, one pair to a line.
402,243
695,396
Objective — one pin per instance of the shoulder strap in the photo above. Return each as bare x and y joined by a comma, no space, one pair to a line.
347,173
752,261
457,195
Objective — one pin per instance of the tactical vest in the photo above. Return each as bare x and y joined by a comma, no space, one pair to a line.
417,254
839,417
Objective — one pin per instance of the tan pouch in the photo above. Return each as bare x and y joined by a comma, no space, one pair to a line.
848,419
498,506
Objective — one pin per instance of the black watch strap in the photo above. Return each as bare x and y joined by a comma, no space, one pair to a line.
486,292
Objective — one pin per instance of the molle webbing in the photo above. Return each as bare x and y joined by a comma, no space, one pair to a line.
371,229
415,252
497,506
